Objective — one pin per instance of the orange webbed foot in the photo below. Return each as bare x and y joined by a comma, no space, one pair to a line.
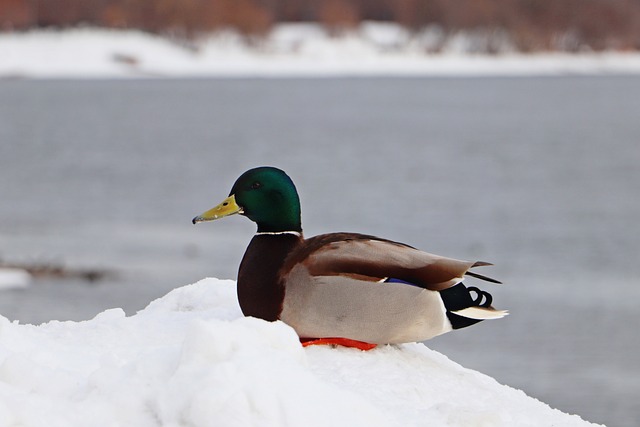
344,342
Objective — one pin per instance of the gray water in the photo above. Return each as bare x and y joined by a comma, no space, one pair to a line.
538,175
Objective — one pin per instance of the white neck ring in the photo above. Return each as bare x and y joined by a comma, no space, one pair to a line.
275,233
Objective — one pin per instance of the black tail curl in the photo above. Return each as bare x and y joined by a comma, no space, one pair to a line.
481,295
459,297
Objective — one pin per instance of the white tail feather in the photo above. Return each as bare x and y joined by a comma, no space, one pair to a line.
481,313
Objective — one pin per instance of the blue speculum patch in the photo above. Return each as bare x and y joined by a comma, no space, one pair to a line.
394,280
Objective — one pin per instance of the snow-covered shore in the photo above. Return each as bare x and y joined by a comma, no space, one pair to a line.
289,50
191,359
11,278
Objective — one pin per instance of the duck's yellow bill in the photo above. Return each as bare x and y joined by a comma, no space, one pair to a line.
226,208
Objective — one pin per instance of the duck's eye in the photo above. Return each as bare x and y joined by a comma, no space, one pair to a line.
256,185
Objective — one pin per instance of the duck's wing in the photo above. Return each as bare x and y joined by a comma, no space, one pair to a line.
373,259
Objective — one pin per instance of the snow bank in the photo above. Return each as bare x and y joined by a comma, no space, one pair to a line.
11,278
191,359
289,50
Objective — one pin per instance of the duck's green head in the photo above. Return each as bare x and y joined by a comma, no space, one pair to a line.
265,195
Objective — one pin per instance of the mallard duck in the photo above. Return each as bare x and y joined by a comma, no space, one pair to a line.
343,288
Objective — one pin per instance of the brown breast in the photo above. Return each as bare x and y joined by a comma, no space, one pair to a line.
260,287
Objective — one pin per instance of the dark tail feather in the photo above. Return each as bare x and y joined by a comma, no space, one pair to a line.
481,277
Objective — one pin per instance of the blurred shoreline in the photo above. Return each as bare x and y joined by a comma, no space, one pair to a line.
289,50
54,270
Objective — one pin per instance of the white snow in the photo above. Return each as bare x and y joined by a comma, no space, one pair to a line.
191,359
289,50
11,278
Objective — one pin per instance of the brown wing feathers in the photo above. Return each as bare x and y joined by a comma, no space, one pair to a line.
368,256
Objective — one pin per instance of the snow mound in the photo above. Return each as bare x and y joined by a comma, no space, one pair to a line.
191,359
